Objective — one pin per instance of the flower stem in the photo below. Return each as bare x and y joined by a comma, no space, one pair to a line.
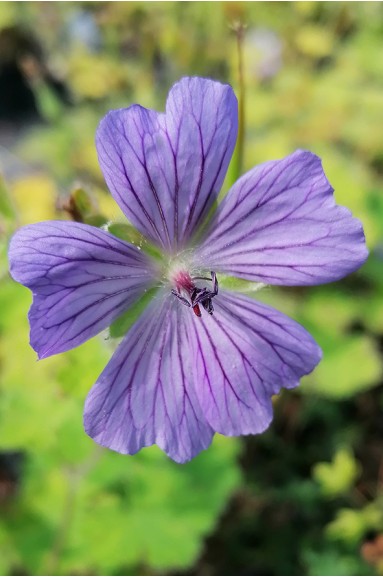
239,30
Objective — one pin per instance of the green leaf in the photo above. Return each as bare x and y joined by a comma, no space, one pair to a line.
48,102
372,313
352,366
373,269
330,562
350,525
331,311
139,500
338,477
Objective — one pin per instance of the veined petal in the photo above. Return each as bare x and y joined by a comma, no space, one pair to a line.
145,394
82,278
165,170
279,224
243,354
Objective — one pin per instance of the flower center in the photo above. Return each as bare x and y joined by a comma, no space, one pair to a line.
191,295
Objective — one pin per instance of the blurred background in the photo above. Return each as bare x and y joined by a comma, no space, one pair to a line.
307,496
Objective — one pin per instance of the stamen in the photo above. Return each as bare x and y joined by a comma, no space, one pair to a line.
202,278
182,299
197,295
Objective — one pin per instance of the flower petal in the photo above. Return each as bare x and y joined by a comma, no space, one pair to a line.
279,224
243,354
145,394
165,170
82,278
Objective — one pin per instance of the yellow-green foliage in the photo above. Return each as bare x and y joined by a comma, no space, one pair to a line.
309,491
339,476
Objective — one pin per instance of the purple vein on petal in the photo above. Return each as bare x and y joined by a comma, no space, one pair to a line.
165,170
145,394
279,224
82,279
243,354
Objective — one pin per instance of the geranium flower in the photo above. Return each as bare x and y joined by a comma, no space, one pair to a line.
200,359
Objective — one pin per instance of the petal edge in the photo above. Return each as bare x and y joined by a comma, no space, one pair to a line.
279,224
243,355
144,396
81,277
166,169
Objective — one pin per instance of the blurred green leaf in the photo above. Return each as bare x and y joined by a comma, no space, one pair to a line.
350,525
337,478
373,269
155,511
48,102
353,366
136,509
330,562
315,41
82,509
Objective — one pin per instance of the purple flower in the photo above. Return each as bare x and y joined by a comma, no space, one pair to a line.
200,359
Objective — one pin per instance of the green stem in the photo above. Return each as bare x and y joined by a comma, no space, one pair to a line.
239,30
